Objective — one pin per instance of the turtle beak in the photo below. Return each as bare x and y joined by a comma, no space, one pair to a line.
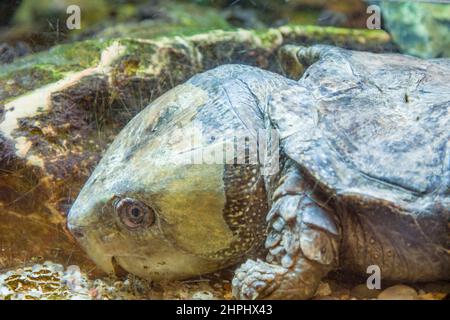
93,248
77,231
82,226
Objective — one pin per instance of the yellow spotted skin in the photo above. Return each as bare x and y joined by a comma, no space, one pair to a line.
245,210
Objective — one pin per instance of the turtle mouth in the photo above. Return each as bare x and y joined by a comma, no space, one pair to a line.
118,271
94,250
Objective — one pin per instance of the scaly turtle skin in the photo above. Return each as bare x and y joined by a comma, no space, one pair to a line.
362,176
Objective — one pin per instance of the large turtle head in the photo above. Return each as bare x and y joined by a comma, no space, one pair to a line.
153,211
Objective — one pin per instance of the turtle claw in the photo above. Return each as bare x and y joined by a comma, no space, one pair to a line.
256,280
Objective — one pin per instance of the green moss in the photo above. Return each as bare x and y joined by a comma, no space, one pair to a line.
149,29
313,29
268,37
42,68
20,81
334,35
62,58
34,71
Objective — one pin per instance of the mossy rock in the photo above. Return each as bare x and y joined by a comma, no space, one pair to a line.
43,24
47,67
419,29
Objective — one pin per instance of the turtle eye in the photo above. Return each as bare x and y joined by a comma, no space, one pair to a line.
134,214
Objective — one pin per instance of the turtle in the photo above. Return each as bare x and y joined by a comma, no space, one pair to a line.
345,169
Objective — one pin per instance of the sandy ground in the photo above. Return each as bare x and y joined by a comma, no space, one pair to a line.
53,281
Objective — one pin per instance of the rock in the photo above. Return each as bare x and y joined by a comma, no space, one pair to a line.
51,281
361,291
420,29
43,24
398,292
432,296
36,268
203,295
8,53
323,290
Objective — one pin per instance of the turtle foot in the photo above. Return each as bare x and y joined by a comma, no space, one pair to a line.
257,280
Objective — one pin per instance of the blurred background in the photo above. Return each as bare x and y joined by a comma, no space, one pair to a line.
419,28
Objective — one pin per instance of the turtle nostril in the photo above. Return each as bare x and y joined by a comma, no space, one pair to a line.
78,232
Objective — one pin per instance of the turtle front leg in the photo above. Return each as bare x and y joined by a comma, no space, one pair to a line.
303,242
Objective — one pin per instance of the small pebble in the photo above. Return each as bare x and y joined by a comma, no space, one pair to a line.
398,292
203,295
118,285
93,293
73,269
36,268
4,291
323,290
35,294
19,271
